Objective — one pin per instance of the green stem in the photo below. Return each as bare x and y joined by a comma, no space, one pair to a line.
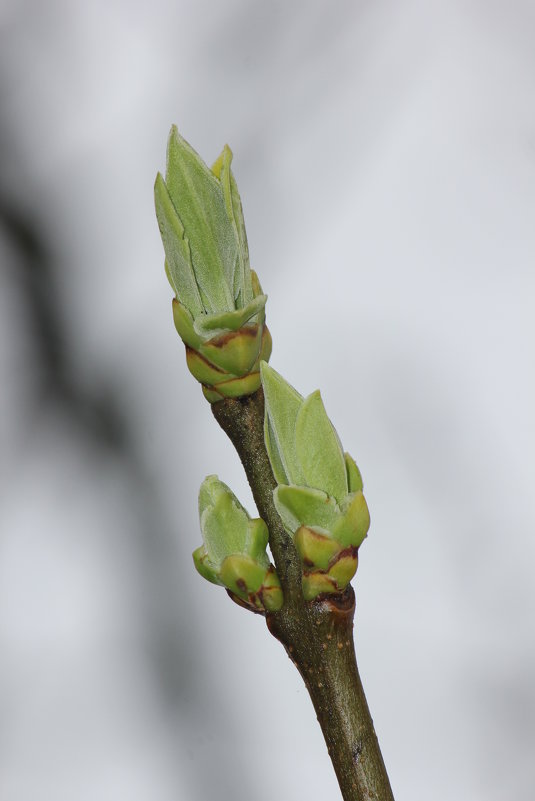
317,635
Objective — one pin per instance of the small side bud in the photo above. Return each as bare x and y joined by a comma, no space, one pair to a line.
233,553
319,494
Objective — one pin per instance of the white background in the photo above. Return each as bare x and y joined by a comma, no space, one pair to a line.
385,154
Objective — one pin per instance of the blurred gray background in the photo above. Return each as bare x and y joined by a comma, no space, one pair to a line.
385,153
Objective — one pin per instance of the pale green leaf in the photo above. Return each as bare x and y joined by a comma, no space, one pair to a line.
246,283
221,170
304,506
209,492
214,324
273,453
224,521
242,286
198,198
177,250
320,456
282,404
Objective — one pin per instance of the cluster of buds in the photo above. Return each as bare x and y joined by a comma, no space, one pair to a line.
233,553
319,494
219,312
219,307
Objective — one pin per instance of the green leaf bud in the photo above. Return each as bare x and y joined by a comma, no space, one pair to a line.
302,444
197,196
319,487
224,521
233,553
219,305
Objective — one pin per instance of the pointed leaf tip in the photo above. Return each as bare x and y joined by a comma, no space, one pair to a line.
318,448
225,157
354,478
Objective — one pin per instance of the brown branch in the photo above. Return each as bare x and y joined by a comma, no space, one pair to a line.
317,635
